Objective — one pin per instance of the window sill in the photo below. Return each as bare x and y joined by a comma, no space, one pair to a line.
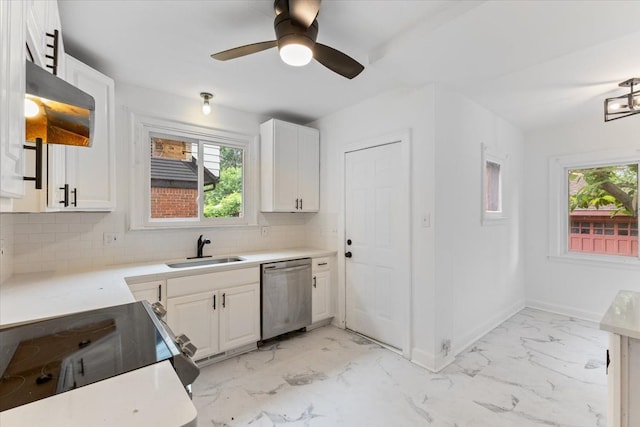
611,261
182,226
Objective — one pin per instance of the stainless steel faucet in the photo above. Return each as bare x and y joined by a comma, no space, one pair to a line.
201,243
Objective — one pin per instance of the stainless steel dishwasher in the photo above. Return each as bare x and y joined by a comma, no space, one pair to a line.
286,296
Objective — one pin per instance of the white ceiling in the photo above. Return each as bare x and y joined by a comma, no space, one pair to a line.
536,63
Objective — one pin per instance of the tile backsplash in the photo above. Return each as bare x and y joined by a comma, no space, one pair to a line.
71,241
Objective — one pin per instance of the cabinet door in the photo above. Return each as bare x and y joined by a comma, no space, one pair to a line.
309,169
196,316
320,296
12,85
150,291
91,171
239,316
285,166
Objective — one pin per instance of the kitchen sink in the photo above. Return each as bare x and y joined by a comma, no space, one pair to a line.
206,261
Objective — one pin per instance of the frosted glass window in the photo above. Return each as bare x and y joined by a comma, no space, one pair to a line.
493,202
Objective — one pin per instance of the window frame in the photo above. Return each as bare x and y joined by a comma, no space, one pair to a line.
558,215
491,156
142,128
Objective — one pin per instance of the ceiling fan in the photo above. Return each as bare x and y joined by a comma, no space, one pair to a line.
296,30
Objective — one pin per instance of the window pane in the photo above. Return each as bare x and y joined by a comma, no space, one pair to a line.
597,227
223,181
174,179
492,202
605,198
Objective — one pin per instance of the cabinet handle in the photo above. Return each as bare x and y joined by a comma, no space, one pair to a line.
323,263
159,293
65,201
300,204
297,204
75,196
224,299
314,282
214,301
608,363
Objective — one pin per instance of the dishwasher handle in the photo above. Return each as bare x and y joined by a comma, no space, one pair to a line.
274,269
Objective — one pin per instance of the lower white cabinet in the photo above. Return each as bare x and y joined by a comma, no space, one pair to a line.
239,316
150,291
321,292
623,381
196,316
217,311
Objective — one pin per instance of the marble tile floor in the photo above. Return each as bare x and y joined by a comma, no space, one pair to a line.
535,369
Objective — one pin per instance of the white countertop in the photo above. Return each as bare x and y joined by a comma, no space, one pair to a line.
148,396
33,296
623,315
152,396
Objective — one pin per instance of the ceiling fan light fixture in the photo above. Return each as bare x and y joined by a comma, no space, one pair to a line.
296,55
624,105
206,107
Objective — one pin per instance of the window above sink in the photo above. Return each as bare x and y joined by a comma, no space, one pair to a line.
188,176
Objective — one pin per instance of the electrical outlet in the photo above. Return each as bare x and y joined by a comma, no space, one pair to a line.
264,230
109,239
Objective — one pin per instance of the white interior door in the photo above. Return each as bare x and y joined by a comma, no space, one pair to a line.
376,206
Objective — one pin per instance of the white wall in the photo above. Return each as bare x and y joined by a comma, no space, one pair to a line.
66,241
389,112
479,268
6,234
465,278
582,290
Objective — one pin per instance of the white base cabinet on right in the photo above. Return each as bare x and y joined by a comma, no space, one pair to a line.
321,292
622,321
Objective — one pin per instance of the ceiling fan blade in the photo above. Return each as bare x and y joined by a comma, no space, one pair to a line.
248,49
304,11
337,61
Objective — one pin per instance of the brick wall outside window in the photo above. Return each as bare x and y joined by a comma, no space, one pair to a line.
174,202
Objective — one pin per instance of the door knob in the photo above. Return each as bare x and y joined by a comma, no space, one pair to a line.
348,255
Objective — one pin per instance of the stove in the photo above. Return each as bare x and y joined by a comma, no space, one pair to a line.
41,359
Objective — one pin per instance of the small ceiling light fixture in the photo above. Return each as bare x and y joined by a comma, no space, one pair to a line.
206,107
624,105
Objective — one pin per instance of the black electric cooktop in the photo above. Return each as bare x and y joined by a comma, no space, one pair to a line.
44,358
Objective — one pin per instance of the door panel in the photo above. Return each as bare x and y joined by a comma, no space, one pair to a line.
239,316
373,203
196,317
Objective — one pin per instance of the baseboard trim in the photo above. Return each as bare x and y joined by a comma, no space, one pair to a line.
472,337
565,310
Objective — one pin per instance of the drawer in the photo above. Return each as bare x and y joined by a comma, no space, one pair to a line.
320,264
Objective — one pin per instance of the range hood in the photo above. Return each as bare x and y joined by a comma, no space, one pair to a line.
63,114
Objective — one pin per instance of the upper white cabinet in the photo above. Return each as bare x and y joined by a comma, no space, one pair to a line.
290,167
90,172
12,86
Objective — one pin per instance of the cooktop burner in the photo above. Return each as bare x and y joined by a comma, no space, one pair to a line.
41,359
